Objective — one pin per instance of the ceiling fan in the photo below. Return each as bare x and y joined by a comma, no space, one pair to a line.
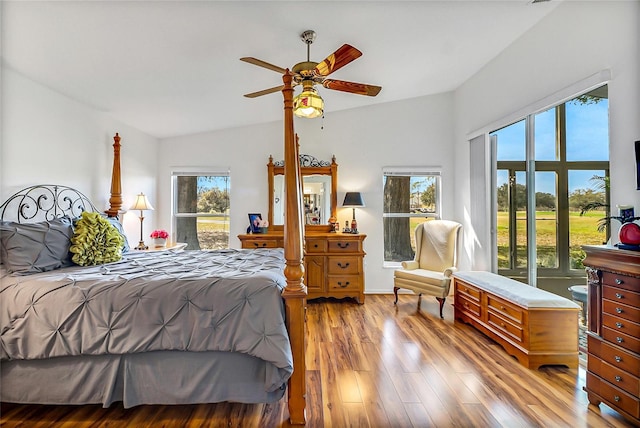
309,73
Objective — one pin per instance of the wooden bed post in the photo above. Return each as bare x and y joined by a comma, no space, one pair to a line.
295,293
115,201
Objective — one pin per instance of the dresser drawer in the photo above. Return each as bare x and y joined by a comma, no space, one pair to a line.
621,281
344,283
624,340
615,397
621,295
511,330
614,375
315,245
260,243
343,265
621,310
505,309
616,323
469,291
615,356
345,246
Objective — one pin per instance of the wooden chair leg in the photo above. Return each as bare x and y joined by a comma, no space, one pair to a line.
395,291
441,300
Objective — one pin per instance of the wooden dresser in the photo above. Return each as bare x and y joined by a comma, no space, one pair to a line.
613,337
333,262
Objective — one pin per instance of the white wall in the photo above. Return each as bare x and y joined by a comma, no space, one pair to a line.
416,132
49,138
574,43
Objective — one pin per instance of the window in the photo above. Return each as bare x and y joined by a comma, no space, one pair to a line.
201,210
569,161
410,198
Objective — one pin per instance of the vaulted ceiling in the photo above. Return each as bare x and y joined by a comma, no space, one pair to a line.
172,68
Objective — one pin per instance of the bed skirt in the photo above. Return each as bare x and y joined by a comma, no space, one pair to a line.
162,377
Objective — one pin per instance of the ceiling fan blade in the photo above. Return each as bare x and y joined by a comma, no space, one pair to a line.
354,88
343,56
264,92
264,64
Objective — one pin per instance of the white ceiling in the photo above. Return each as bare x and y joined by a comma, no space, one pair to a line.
172,68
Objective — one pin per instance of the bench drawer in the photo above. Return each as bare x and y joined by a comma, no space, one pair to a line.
505,309
468,306
471,292
511,330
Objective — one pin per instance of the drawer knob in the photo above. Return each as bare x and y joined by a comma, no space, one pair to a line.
616,398
619,339
619,324
343,285
619,310
315,245
617,358
619,281
619,296
343,266
503,308
343,244
502,324
618,378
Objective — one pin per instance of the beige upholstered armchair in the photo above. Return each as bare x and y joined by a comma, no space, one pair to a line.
435,260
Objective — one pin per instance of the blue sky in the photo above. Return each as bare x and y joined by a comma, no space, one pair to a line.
587,139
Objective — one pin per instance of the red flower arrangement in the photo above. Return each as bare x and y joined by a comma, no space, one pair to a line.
162,234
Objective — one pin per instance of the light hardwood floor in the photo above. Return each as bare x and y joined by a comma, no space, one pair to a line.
378,365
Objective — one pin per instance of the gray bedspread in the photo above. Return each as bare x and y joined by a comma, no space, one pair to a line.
228,300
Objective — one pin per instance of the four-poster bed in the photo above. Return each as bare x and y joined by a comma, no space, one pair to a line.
103,348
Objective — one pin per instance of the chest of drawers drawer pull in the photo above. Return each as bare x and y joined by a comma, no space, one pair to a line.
618,378
616,398
619,325
619,296
315,245
343,244
618,358
619,310
260,244
619,339
343,266
619,281
346,284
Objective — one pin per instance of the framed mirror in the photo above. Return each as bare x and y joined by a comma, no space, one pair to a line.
319,188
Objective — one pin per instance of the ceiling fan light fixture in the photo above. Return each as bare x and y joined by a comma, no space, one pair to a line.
308,104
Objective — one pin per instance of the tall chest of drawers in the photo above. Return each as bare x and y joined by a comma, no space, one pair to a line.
333,262
613,337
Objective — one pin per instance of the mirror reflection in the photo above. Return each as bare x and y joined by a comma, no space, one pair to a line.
316,191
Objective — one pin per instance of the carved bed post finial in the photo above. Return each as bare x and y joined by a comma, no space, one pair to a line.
115,201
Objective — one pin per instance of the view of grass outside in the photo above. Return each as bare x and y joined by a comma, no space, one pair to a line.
583,230
213,232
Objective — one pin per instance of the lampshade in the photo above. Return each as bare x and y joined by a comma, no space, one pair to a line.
141,203
308,103
353,200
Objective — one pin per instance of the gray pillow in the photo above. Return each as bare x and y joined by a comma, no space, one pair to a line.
28,248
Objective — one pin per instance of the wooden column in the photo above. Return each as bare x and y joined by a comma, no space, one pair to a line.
115,201
295,293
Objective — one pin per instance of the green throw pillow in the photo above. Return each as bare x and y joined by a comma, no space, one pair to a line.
95,241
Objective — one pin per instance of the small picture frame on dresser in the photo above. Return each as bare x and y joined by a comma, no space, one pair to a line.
254,222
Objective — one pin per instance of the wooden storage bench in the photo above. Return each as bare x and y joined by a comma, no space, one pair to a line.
533,325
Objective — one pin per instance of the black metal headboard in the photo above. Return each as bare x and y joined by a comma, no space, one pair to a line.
45,202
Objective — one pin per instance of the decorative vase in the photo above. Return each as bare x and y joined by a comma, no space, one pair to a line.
630,234
159,242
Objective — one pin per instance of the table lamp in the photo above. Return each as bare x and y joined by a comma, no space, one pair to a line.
141,204
353,200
